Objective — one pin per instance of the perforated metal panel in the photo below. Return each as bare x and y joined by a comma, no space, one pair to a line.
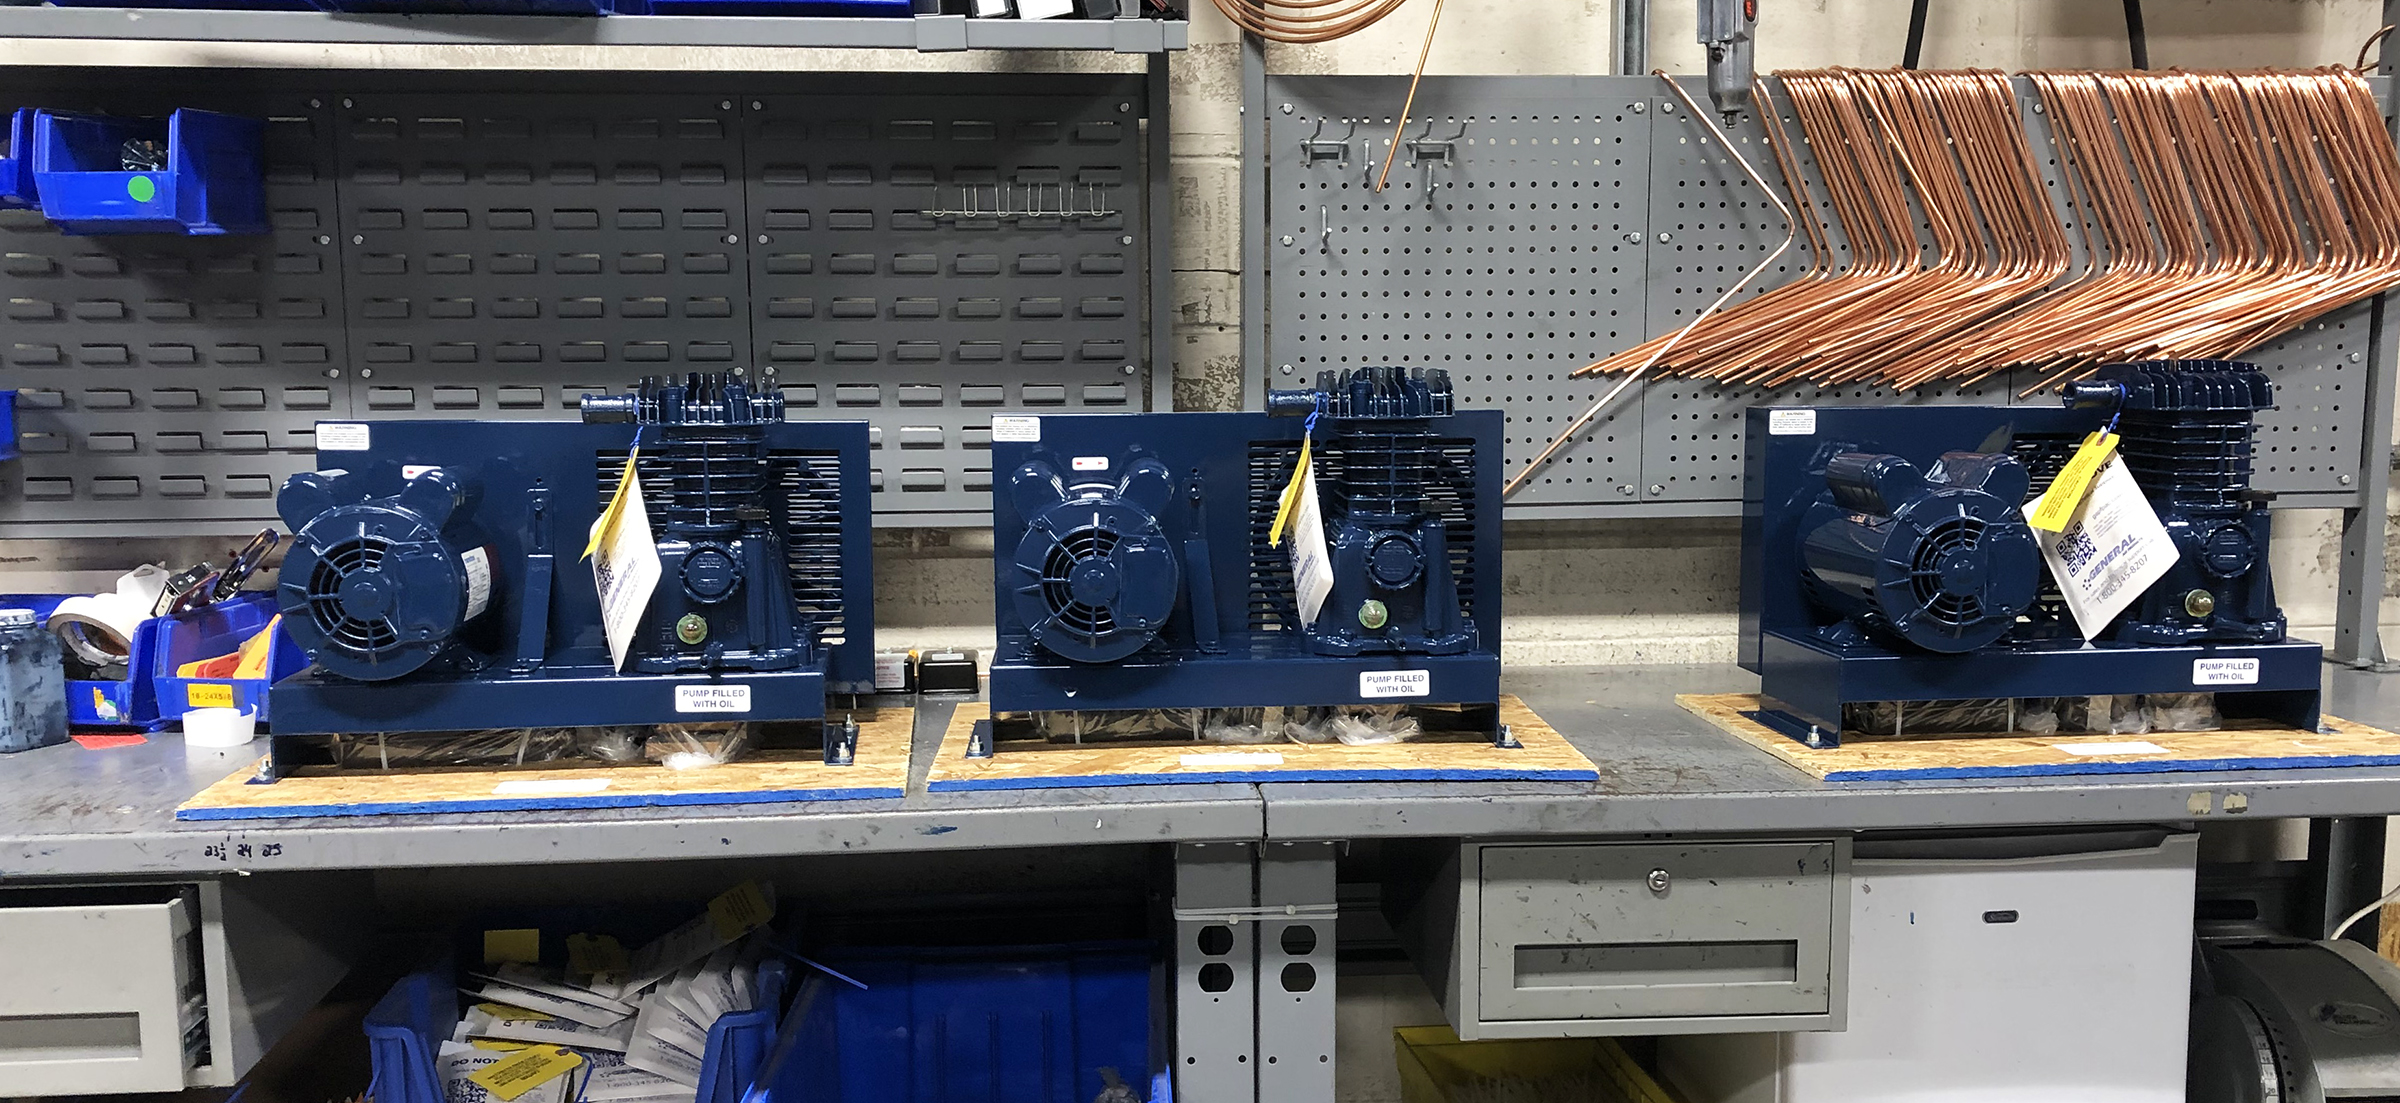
1510,265
494,245
1683,224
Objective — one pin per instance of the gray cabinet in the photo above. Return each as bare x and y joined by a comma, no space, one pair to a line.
1524,940
154,988
101,994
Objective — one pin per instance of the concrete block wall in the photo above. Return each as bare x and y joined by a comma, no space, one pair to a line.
1660,591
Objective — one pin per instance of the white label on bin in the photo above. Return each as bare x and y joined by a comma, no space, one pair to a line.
1090,463
2088,749
550,787
343,436
1233,758
1016,428
477,563
1791,423
1395,683
732,698
2224,672
412,470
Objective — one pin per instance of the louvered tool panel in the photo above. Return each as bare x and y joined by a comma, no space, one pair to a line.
170,379
506,254
912,250
921,261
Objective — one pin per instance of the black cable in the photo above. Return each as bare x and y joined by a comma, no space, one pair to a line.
1916,32
2135,36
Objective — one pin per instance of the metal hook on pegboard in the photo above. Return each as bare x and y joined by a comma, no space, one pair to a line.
1316,147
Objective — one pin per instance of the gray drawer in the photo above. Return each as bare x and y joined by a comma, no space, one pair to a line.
116,988
102,996
1540,939
1578,932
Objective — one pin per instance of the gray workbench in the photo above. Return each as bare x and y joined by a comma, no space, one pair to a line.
68,811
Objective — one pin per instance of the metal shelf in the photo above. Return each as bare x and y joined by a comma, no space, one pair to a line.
925,33
69,812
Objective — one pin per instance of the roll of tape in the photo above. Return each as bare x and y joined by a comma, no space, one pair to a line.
98,628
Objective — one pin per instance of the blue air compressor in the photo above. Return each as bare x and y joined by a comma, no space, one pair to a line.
1135,565
1886,556
436,581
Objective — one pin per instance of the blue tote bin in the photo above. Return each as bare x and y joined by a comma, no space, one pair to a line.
214,180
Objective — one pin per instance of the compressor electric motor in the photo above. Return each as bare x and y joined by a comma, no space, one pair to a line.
1886,556
1136,570
436,582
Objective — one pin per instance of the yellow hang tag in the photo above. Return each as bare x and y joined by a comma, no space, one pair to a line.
740,911
1291,497
514,1014
498,1045
2066,493
607,524
524,1070
520,945
596,955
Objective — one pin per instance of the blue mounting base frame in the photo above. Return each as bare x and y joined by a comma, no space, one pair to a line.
558,695
1804,684
1805,679
1267,677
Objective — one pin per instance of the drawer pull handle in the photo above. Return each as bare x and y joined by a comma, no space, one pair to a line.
1659,881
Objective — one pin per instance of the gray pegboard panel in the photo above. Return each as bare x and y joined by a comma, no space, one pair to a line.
505,254
171,382
1710,226
2309,443
1676,447
866,306
1509,265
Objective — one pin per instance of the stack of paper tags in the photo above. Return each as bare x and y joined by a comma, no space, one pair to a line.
609,1027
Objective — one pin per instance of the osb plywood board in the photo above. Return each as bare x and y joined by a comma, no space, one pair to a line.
880,769
2243,745
1544,756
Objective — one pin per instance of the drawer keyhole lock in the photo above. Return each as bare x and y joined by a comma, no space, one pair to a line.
1659,881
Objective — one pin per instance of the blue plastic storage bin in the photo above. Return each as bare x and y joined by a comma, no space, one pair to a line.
8,423
126,703
1009,1025
206,634
16,179
214,181
406,1028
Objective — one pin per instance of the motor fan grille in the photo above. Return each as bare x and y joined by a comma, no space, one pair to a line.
1070,550
1956,534
367,636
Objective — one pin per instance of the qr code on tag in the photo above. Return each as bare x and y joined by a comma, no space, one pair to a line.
2075,549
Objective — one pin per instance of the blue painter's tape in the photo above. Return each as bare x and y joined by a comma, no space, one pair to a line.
1255,777
534,804
2157,766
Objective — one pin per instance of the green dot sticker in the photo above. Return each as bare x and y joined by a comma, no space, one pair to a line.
142,189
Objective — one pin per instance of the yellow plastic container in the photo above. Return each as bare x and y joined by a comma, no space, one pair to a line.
1435,1067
